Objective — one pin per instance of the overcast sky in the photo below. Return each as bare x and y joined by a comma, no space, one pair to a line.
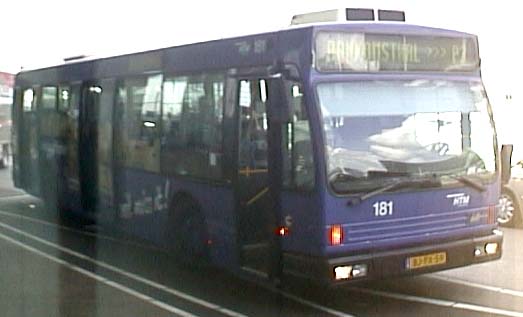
39,33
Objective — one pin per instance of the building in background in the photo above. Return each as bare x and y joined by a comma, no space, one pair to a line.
6,100
6,88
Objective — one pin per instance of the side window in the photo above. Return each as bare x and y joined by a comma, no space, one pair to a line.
193,125
29,100
48,98
297,145
64,98
74,103
50,124
140,103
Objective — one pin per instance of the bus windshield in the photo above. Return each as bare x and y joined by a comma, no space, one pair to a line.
377,129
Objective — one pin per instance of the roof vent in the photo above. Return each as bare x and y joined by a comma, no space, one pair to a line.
391,15
359,14
349,14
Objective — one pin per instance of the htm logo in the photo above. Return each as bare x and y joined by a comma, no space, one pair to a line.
459,200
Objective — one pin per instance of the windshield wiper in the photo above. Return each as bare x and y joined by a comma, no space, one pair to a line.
397,184
345,174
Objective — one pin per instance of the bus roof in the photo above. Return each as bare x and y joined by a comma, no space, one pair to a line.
244,51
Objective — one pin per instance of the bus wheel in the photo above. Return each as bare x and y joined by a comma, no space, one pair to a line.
509,214
190,233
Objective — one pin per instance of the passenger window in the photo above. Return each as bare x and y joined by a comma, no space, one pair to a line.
140,103
28,102
48,98
298,161
193,129
64,98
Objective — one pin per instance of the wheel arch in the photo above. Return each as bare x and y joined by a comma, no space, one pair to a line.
182,196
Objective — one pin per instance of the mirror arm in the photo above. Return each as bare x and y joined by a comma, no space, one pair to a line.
506,156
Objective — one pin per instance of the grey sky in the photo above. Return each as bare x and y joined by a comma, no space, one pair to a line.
38,33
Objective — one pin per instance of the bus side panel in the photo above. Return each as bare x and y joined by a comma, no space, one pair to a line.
217,203
144,208
301,213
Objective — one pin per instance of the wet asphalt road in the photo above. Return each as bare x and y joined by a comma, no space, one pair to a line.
51,269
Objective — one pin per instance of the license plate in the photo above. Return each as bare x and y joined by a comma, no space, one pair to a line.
426,260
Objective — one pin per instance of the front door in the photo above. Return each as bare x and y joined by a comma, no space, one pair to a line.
28,136
256,202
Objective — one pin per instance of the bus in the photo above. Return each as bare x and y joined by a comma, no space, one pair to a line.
332,151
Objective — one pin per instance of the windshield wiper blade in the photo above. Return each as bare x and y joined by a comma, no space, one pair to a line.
400,183
467,181
343,175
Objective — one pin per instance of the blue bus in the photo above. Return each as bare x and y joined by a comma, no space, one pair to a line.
336,152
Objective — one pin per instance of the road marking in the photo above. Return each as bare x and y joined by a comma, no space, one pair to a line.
151,283
129,275
308,303
101,279
496,289
13,195
441,302
228,312
85,233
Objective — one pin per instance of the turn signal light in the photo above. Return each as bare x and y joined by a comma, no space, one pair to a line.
336,235
282,231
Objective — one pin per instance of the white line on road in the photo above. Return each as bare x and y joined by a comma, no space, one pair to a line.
309,303
153,284
132,276
496,289
85,233
441,302
431,301
101,279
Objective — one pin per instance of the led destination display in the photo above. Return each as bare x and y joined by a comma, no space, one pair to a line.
360,52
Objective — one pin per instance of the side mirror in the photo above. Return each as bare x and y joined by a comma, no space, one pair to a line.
506,156
279,104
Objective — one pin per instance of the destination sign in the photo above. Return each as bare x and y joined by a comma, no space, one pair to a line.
364,52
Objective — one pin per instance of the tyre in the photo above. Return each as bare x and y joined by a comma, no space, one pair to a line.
509,214
189,233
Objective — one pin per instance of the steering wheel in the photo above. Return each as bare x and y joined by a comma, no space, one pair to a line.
438,147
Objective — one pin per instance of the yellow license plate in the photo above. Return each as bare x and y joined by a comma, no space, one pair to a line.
426,260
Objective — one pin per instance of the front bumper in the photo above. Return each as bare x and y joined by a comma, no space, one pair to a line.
391,263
